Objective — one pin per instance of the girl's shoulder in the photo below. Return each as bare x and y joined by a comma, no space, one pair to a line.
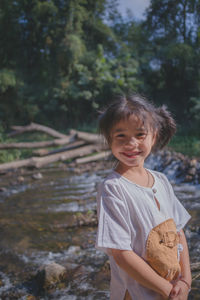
159,176
110,183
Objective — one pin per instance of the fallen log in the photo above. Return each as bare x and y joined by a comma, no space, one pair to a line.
36,127
39,162
29,145
43,152
88,137
95,157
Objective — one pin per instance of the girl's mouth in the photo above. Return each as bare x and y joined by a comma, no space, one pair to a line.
131,154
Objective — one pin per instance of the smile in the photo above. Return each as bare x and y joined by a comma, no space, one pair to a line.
131,154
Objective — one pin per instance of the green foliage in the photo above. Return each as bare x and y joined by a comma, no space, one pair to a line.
17,154
172,74
7,80
195,113
8,155
188,145
61,61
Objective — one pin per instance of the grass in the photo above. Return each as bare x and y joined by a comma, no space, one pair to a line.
188,145
9,155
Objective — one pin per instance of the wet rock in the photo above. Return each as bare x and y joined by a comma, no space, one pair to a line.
103,276
192,171
12,295
20,179
51,274
73,249
1,282
31,297
168,159
106,266
79,272
195,266
188,178
194,228
78,219
176,166
90,166
37,176
193,163
86,219
180,156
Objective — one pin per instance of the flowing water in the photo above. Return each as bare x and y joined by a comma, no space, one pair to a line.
36,228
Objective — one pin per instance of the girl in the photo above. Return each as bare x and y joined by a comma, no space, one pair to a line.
140,218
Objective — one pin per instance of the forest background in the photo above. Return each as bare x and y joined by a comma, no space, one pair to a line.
61,61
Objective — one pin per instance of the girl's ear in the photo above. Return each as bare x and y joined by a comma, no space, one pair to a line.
155,134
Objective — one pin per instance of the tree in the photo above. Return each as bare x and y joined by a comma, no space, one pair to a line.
172,70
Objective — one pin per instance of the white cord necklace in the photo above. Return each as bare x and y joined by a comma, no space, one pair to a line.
147,177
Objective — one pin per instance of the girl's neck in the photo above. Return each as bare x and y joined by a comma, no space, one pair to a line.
123,169
138,175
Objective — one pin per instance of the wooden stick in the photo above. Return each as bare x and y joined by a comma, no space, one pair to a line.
29,145
43,152
101,155
88,137
36,127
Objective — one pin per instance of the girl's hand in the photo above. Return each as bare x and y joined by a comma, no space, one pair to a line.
179,291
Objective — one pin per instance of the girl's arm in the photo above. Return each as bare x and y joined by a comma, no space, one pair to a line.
181,288
139,270
185,260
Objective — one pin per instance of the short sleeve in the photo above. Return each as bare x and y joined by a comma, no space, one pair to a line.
180,214
113,229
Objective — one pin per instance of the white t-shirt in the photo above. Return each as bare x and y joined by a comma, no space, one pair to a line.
127,212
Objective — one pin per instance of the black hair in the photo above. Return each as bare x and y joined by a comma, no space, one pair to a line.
159,120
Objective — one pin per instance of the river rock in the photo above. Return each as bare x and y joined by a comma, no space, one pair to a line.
195,266
51,274
37,176
20,179
106,266
167,160
86,219
73,249
192,171
193,162
188,178
31,297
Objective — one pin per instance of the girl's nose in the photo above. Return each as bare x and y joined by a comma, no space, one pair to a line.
132,142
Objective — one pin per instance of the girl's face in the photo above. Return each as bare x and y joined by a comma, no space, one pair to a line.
131,142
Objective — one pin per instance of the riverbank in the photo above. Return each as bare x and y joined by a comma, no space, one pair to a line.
48,217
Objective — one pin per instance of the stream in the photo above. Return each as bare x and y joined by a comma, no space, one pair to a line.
36,229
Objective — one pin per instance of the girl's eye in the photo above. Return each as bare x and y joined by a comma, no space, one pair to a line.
141,135
120,135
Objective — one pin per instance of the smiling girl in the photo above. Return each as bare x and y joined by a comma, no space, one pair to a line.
140,218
